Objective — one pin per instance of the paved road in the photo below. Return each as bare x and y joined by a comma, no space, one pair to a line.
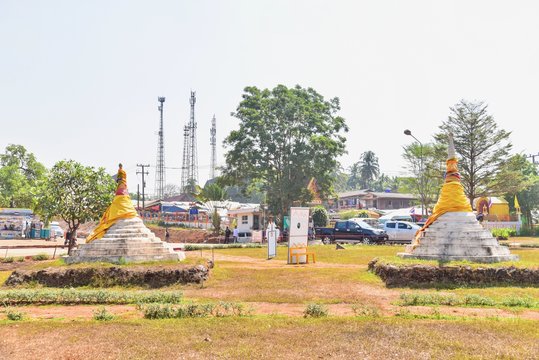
31,251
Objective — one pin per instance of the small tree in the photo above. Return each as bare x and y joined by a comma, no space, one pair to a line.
212,196
76,193
320,216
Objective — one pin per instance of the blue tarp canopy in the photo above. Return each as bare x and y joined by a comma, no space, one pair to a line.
172,208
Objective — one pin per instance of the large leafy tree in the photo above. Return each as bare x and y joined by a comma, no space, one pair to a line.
20,174
286,137
481,146
76,193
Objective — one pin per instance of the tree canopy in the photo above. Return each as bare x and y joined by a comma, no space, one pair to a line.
286,136
482,148
20,174
76,193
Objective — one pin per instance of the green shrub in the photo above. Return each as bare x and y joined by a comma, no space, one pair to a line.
315,310
320,216
20,259
365,310
503,233
478,300
516,301
429,299
14,315
76,296
469,300
190,310
8,259
40,257
102,314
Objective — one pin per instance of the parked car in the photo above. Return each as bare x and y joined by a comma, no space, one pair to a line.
350,231
401,232
58,231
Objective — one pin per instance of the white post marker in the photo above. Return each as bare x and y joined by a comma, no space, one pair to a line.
299,224
273,234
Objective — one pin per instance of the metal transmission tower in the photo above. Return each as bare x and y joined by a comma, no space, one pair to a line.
190,161
213,143
160,164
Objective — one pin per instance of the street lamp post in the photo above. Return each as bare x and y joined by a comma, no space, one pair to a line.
421,187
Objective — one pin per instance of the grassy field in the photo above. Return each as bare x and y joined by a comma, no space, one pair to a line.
278,294
270,337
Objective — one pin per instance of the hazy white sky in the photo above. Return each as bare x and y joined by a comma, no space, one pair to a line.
80,79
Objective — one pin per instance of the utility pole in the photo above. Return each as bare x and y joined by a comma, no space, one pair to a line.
138,196
143,182
533,158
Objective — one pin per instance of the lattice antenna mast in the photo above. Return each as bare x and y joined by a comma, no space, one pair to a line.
213,144
185,160
193,163
160,163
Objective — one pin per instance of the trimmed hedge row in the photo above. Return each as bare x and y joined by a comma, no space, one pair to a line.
153,277
431,276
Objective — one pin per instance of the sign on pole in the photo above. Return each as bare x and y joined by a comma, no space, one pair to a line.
299,225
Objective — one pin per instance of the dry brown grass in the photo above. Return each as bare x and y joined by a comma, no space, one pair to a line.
271,338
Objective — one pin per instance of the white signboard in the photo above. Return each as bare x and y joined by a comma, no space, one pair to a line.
299,225
272,234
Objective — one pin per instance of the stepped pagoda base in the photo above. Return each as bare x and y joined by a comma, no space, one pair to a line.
128,240
457,236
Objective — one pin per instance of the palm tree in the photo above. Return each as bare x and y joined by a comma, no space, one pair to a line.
368,168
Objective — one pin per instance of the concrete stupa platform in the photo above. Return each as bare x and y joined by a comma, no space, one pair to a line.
128,240
458,236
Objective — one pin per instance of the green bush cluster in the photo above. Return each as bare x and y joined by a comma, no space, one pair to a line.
320,216
102,314
40,257
190,310
315,310
470,300
8,259
503,233
76,296
429,299
14,315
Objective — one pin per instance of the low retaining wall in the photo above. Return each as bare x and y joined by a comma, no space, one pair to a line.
430,276
153,277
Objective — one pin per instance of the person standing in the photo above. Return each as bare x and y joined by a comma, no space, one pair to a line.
227,235
235,234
